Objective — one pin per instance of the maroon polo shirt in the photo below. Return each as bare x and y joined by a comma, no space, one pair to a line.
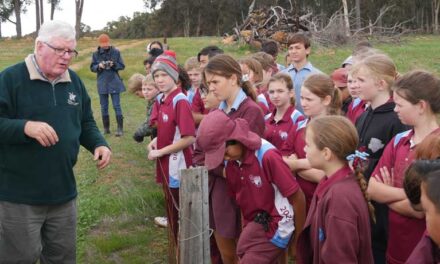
174,121
295,144
403,232
355,109
337,228
426,251
277,132
197,104
261,182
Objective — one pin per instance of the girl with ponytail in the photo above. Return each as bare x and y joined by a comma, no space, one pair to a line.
374,76
337,228
319,97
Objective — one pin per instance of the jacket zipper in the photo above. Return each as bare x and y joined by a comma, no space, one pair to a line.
53,94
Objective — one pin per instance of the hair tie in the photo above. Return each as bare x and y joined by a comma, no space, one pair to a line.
358,154
245,78
357,157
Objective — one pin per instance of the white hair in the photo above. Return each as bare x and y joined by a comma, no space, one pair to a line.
53,29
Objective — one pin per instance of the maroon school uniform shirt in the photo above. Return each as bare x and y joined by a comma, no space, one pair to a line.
197,104
295,144
355,109
261,182
174,121
426,251
244,107
403,232
277,132
337,228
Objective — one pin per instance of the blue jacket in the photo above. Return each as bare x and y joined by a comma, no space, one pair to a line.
108,78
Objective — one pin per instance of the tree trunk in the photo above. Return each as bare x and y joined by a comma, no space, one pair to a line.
358,14
52,9
186,23
37,15
41,12
436,6
79,9
17,11
199,22
346,20
0,28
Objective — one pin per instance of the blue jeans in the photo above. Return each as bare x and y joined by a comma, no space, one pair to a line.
103,100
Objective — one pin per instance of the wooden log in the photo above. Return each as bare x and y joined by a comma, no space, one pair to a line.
194,229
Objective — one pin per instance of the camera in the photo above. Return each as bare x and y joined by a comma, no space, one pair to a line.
107,64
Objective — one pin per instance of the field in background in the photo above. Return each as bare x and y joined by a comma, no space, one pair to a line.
117,205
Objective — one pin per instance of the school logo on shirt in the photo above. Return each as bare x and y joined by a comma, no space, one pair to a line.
283,135
165,117
256,180
72,99
375,145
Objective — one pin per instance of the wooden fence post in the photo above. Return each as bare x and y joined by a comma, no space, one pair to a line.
194,216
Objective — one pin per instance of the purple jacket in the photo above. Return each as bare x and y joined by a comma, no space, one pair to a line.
337,228
426,251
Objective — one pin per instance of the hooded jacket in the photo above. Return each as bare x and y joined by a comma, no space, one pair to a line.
109,80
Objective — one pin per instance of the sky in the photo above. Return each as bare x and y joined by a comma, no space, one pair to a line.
96,14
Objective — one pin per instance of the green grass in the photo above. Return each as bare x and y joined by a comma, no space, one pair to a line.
117,205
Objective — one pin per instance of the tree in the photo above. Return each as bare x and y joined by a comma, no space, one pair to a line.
6,10
54,4
79,4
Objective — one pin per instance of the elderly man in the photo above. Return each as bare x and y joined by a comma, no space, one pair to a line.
45,115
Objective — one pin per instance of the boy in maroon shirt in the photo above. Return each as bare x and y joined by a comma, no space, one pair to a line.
175,133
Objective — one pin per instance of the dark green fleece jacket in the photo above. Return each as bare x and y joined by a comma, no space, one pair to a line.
30,173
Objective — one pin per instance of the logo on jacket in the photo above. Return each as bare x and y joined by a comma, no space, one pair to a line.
256,180
283,135
72,99
165,117
375,144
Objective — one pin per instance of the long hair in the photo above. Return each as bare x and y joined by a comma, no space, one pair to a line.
339,135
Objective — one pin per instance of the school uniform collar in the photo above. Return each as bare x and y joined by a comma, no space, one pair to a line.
408,138
241,96
327,182
35,72
308,67
169,98
286,116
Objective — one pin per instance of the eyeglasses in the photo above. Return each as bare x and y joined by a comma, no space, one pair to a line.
61,52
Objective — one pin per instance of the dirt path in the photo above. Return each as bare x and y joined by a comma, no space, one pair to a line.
79,64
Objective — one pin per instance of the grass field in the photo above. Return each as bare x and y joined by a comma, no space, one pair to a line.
117,205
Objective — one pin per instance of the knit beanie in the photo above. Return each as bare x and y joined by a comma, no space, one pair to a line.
167,63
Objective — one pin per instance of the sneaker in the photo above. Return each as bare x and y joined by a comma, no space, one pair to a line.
161,221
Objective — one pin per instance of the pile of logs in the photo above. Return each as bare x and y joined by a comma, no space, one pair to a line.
274,23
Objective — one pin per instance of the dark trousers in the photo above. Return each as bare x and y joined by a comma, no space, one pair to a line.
103,100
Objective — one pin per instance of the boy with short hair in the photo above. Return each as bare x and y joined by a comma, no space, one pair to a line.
299,48
175,133
207,53
192,67
149,91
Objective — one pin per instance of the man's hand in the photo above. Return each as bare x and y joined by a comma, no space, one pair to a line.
102,156
42,132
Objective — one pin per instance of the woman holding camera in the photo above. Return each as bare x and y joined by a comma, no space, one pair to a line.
106,62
